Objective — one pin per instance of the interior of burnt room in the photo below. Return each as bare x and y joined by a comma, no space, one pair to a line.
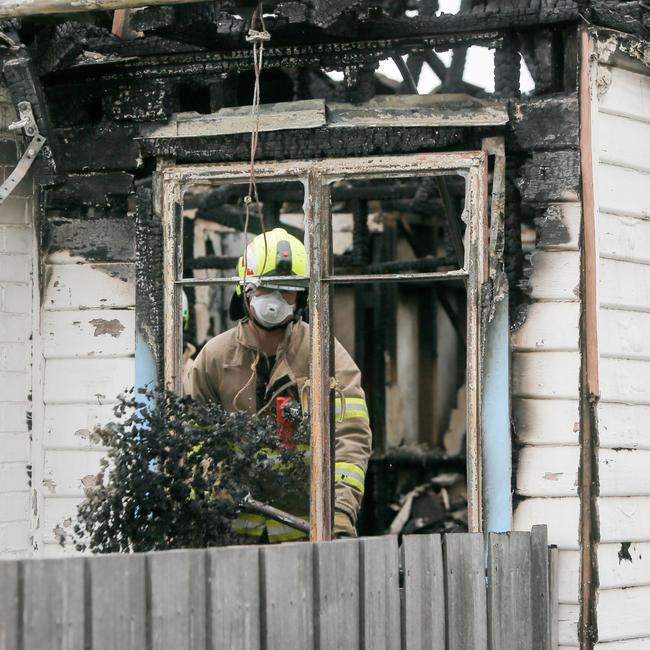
408,339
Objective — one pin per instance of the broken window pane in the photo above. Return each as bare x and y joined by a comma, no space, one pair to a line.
398,225
214,239
409,341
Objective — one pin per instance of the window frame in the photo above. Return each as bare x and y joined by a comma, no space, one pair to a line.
172,181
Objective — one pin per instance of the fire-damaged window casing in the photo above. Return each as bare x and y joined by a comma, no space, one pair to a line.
317,177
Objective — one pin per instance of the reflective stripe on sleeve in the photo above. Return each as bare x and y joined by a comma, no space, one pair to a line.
355,407
249,523
279,532
350,474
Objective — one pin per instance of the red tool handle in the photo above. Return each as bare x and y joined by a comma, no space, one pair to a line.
285,425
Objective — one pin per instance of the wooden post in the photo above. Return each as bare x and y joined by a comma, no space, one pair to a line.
589,389
475,264
320,265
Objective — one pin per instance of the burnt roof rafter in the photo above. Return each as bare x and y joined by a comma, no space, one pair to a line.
300,44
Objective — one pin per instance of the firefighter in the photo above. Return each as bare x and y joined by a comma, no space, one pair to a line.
265,358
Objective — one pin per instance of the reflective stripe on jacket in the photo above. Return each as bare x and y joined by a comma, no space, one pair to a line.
252,525
223,368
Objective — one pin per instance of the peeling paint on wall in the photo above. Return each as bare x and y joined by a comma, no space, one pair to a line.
111,327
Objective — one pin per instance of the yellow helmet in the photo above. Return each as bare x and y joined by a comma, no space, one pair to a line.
275,252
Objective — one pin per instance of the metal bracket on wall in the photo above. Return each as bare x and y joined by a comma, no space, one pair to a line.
26,121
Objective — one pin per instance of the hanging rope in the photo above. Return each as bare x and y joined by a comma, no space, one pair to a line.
257,37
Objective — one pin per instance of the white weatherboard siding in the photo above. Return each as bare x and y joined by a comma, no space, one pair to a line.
545,392
18,295
89,348
621,149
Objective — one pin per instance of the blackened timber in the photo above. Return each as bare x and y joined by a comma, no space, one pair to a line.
317,143
550,123
436,64
407,77
507,68
145,101
518,17
453,220
57,46
115,147
95,240
219,262
98,190
550,176
99,148
432,31
234,216
420,265
334,55
152,45
627,17
149,282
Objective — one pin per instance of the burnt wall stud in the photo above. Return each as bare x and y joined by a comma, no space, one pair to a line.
507,68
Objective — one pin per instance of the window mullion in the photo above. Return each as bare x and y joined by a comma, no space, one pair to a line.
320,412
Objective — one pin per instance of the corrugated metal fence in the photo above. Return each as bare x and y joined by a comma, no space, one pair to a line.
433,592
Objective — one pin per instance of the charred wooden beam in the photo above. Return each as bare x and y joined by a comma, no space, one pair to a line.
407,77
95,240
96,190
233,216
308,143
507,68
99,148
520,15
112,146
404,267
550,123
453,220
550,176
436,64
329,55
58,46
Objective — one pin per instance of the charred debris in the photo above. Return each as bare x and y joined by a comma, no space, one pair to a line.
99,87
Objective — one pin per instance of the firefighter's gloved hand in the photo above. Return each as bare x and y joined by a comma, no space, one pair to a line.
343,526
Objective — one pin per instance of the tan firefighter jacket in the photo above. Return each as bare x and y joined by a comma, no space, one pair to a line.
223,368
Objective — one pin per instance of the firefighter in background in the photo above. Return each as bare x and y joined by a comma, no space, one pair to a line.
264,360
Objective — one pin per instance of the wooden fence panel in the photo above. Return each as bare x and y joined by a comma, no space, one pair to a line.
539,587
118,602
380,598
466,598
327,596
234,598
509,601
288,596
53,605
337,607
177,584
423,620
9,604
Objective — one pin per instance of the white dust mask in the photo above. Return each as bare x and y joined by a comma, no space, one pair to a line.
271,309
